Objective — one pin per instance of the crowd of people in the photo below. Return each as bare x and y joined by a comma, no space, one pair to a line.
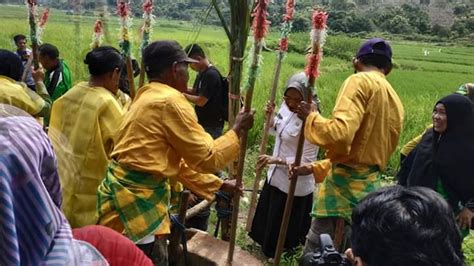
90,176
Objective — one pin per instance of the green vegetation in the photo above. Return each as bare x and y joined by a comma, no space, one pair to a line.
419,80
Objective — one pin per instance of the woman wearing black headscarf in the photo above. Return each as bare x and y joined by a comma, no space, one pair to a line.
443,160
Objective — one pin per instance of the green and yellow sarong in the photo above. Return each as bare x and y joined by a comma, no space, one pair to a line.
141,200
344,188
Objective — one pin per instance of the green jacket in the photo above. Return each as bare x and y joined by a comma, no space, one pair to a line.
64,81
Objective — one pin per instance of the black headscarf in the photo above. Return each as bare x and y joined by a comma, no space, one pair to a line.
448,156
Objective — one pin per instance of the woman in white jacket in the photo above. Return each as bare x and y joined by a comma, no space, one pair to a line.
271,204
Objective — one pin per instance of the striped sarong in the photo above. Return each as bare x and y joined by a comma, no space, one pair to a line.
141,200
344,188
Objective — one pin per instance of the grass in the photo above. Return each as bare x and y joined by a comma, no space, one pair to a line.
419,80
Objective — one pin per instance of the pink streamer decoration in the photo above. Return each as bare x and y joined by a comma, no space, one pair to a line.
290,10
260,23
312,68
319,20
314,59
284,44
123,9
98,27
44,17
148,6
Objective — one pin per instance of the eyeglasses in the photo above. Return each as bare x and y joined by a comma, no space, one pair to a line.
291,99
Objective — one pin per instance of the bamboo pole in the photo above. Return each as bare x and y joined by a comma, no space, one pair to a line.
32,4
260,28
146,31
312,72
123,10
283,48
239,28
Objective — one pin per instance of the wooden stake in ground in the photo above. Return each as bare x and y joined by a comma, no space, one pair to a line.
260,29
282,50
123,10
148,20
177,231
32,12
318,36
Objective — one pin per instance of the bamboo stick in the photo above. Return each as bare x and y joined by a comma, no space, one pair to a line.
148,20
260,28
283,48
32,4
239,28
312,72
123,10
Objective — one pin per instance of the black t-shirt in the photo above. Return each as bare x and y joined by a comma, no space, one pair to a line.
209,84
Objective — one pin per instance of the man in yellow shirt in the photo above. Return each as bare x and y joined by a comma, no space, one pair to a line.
16,93
160,142
83,123
359,139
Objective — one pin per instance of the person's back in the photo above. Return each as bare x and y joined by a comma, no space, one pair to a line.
379,117
86,118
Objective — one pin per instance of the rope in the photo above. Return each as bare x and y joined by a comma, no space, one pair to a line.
175,221
196,30
222,213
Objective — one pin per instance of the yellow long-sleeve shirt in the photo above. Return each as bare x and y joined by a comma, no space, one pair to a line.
18,95
83,124
366,122
161,129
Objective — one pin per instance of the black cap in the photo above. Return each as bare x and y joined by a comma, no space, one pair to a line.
160,55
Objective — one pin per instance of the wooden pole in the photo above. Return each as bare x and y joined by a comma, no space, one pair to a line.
260,26
285,31
176,233
317,40
263,146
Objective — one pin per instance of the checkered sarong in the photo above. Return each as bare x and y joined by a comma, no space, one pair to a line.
344,188
141,200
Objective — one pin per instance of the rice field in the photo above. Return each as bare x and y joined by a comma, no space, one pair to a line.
419,79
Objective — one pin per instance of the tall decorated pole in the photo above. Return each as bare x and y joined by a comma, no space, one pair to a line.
148,20
32,13
282,50
260,29
123,10
42,24
318,37
98,34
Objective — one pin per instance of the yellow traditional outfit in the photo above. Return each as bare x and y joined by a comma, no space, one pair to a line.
83,123
158,135
359,138
17,94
